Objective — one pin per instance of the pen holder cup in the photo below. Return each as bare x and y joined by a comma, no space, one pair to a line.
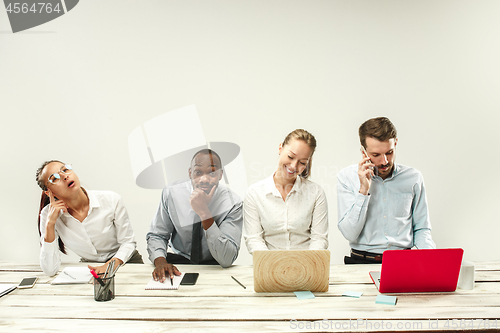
466,276
105,291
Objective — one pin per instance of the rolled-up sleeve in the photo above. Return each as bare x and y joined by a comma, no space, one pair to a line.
50,257
224,239
351,207
421,224
124,233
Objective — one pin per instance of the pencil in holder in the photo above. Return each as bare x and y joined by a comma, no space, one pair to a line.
104,288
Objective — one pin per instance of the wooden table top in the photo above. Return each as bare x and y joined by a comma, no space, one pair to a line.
218,303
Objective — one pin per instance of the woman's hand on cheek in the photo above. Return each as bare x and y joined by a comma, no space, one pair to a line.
55,208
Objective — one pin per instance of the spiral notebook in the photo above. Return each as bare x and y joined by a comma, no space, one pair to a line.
165,285
72,275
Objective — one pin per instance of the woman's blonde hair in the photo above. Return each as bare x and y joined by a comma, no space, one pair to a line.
310,140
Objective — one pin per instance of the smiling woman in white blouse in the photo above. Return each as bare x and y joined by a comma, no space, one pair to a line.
286,211
93,224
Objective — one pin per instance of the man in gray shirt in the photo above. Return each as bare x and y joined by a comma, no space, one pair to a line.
199,219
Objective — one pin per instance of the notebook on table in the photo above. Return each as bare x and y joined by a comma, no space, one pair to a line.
73,275
291,270
426,270
165,285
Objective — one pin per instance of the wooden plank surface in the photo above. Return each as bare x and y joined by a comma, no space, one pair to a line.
218,303
338,273
133,326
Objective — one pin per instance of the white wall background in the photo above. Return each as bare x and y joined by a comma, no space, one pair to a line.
74,88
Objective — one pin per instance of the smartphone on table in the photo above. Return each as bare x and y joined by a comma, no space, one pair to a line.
189,278
27,282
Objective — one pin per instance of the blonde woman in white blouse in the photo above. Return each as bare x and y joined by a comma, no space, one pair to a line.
286,211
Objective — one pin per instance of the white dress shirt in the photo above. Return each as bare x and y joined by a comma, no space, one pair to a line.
105,232
298,222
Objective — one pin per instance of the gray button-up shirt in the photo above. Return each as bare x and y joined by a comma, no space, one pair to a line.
173,225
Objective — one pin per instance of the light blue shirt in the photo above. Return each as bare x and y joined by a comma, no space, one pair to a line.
394,215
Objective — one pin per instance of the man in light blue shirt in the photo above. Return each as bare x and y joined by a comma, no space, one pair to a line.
381,205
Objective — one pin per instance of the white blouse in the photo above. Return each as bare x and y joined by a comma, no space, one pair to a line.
105,232
298,222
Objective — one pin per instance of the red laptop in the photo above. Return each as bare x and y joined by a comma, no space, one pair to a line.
410,271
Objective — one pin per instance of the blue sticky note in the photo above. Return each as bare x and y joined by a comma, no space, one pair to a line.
304,294
389,300
356,294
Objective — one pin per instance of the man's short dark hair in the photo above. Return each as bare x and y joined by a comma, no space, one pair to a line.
380,128
207,151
